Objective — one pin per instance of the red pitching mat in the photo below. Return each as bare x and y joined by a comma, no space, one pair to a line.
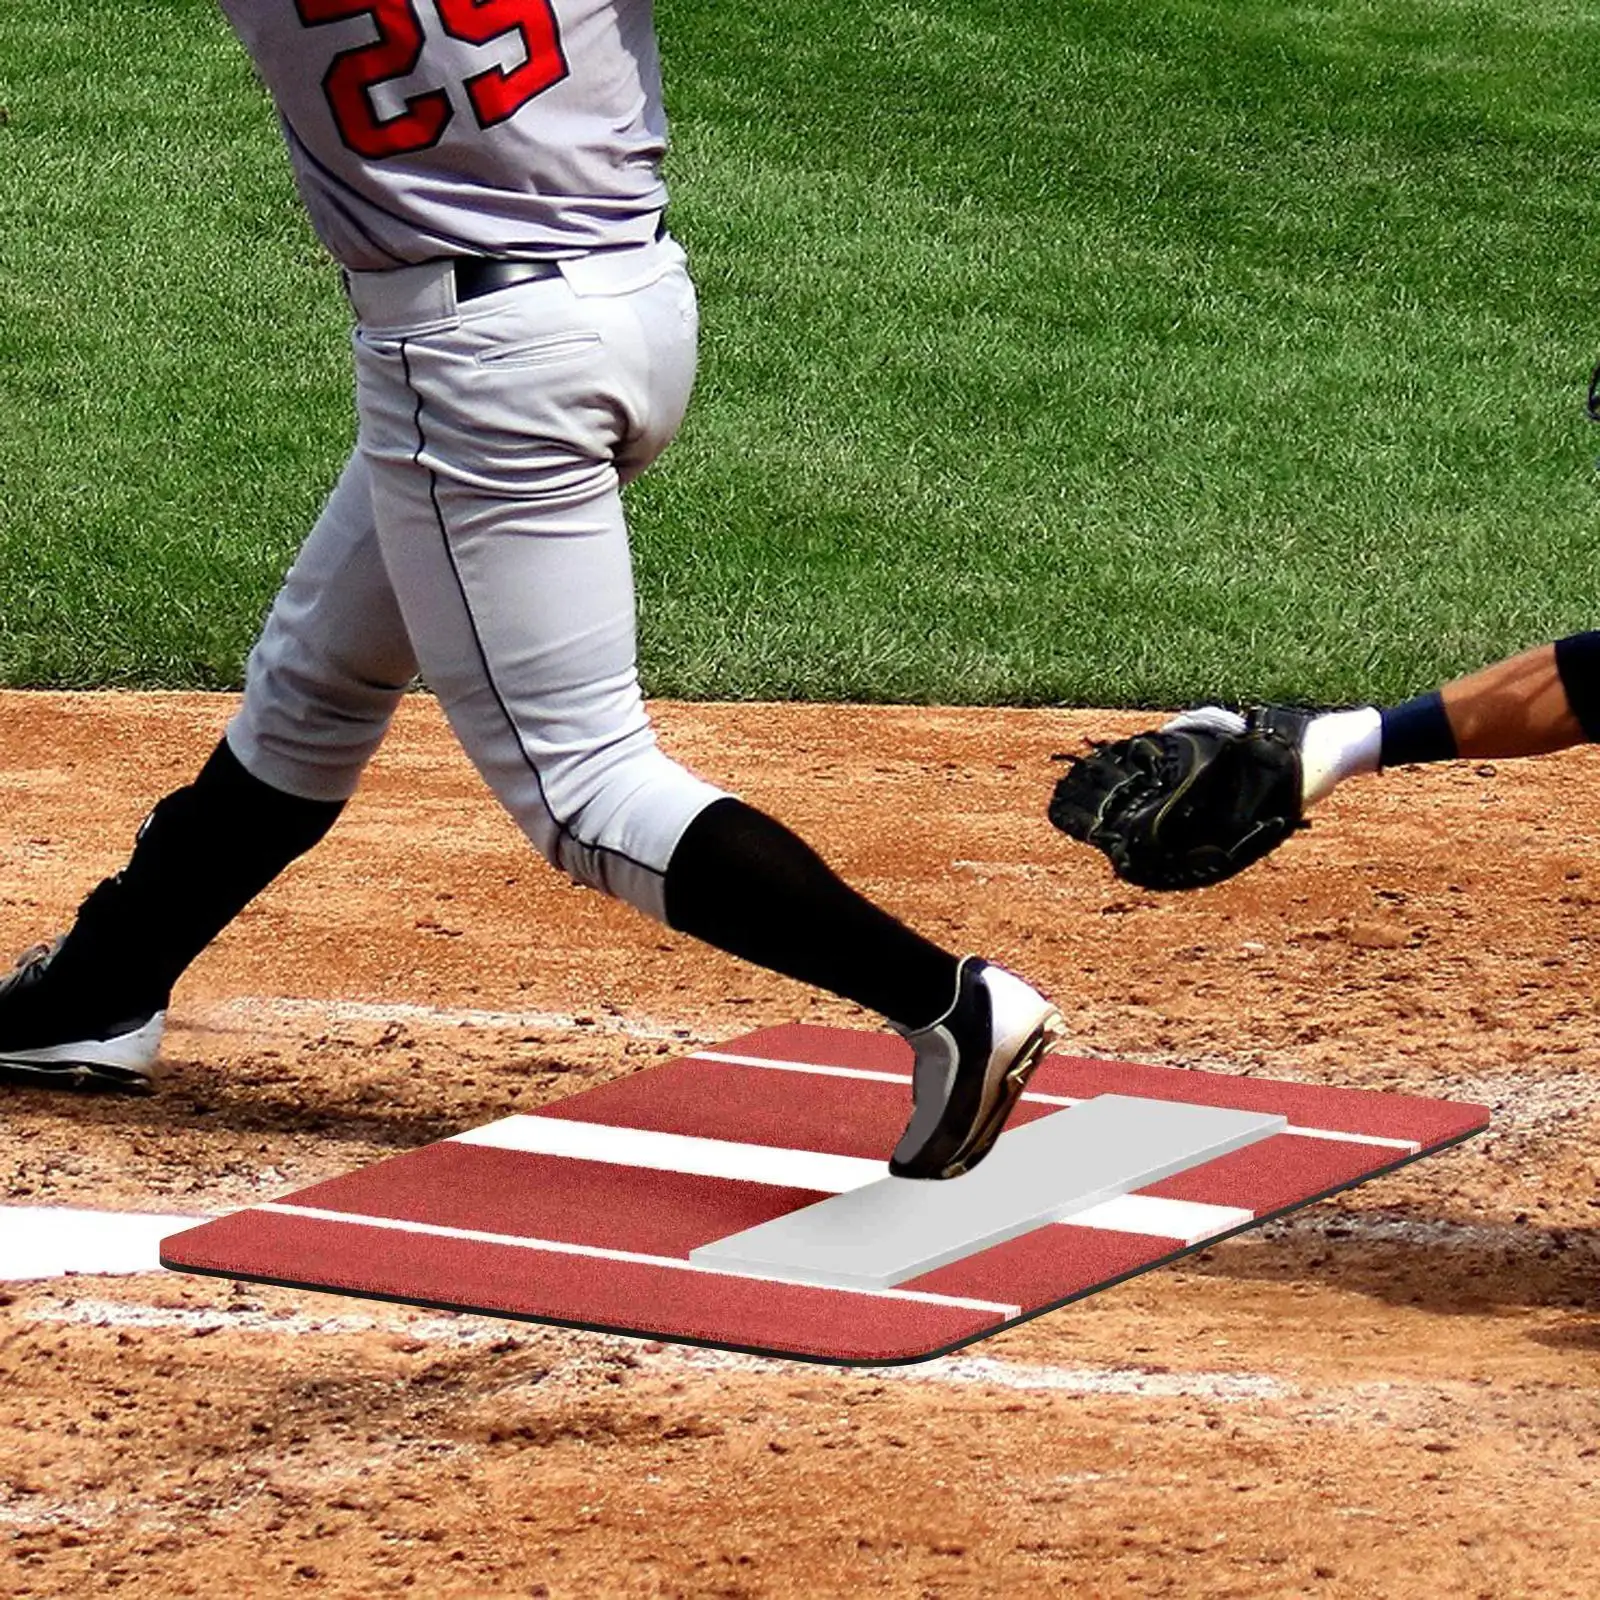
586,1213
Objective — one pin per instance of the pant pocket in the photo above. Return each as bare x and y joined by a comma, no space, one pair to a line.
541,352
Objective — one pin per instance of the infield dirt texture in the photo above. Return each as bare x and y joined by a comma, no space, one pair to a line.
1391,1394
1096,353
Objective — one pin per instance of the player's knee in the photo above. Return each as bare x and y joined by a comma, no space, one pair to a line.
612,820
311,729
1578,663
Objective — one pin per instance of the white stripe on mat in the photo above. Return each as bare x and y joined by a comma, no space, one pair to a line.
772,1063
1185,1220
677,1152
436,1230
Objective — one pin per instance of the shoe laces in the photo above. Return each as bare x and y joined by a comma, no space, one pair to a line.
35,954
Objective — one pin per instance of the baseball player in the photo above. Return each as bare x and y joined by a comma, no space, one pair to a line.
488,175
1213,790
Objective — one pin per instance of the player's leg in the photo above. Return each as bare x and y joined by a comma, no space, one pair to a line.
322,683
743,882
499,439
332,661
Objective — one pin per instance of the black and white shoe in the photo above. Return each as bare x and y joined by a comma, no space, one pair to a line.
970,1069
49,1036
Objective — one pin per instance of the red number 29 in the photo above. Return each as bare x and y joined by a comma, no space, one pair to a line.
495,94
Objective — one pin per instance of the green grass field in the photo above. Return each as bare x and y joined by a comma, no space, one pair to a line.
1106,354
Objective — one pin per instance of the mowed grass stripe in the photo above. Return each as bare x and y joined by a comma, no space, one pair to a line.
1097,354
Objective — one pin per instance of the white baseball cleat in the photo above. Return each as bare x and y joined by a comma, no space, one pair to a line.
971,1068
46,1038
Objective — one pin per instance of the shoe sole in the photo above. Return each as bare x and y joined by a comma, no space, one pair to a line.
1012,1082
74,1075
124,1062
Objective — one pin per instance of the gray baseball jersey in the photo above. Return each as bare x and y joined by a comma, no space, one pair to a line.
428,128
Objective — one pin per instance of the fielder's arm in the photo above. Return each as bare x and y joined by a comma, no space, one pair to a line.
1214,790
1531,705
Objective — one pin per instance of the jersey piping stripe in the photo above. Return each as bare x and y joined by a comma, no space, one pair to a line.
562,827
303,149
451,243
333,178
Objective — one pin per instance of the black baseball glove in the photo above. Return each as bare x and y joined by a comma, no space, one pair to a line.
1189,804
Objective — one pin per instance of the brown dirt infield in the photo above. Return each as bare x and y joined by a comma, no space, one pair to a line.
1392,1393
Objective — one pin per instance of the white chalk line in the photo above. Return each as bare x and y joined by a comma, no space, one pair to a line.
283,1009
968,1371
40,1242
57,1241
467,1331
595,1354
1385,1403
176,1319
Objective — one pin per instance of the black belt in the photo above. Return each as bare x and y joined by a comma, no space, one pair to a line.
477,275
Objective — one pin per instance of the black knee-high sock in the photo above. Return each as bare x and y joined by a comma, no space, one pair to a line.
745,883
200,857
